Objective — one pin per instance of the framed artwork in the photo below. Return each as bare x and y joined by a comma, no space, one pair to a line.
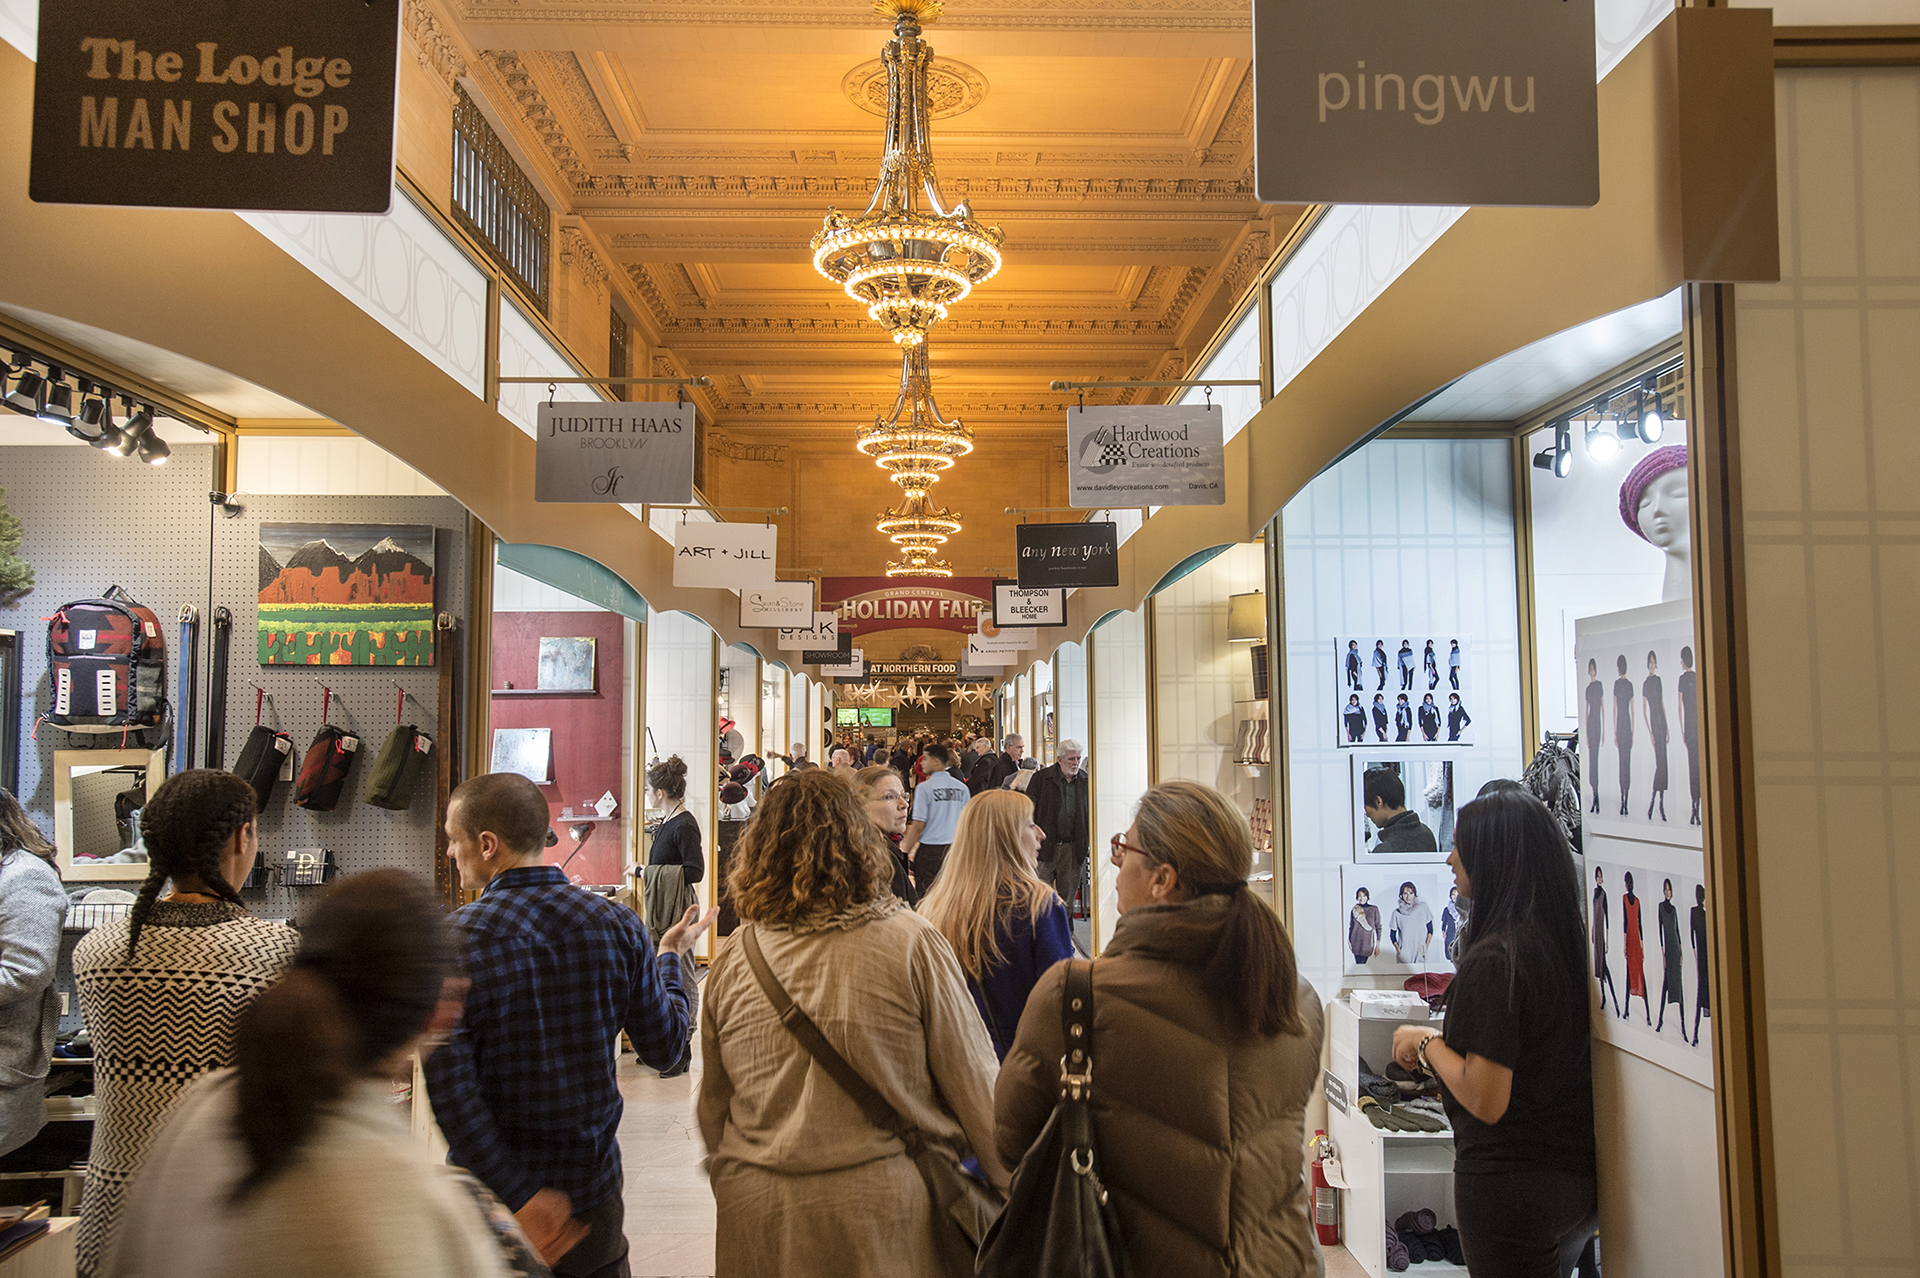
1647,945
567,665
346,594
1408,691
527,751
1436,788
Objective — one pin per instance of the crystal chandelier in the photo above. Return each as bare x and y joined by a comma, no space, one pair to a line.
918,561
917,525
915,443
908,257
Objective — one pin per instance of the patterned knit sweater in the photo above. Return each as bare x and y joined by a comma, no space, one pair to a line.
158,1023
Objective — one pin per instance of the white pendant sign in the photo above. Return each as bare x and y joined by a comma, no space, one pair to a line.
783,604
614,452
823,633
854,667
731,556
978,656
1151,455
992,638
1013,606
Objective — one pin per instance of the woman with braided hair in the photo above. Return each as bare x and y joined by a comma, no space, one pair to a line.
162,990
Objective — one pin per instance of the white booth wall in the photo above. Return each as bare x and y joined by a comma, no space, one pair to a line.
743,694
1201,674
1070,695
679,715
1118,753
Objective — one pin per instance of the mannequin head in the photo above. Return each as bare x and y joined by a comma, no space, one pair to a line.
1653,502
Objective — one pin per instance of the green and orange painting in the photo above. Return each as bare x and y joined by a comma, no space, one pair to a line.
346,594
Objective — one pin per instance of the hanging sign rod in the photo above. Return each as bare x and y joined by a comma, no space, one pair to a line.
701,382
1199,381
757,510
1057,510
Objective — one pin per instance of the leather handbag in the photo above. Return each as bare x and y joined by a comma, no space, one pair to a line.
1059,1221
964,1206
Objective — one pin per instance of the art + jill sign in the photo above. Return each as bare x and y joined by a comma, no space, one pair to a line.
733,556
1151,455
1425,102
216,104
1080,554
614,452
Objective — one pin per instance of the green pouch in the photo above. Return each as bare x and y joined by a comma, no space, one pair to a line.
397,768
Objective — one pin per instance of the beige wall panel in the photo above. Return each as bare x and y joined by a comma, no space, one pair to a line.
423,147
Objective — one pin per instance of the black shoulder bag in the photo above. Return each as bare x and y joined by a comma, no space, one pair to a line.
963,1204
1059,1222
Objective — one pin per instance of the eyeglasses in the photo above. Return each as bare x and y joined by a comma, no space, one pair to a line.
1121,847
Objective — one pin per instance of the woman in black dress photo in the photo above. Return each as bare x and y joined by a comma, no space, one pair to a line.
1356,719
1429,718
1458,720
1380,715
1653,701
1670,955
1623,728
1595,726
1353,664
1601,975
1402,718
1699,929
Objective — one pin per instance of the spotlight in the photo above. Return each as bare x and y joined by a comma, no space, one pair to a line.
132,433
1559,458
58,407
28,392
93,411
111,437
1603,444
1651,423
154,450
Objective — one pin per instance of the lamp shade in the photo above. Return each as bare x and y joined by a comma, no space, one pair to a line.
1247,618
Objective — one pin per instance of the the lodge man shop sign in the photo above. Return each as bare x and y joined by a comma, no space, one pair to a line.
614,452
1425,102
1155,455
221,104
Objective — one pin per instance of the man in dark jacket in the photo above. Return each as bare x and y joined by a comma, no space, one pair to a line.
990,773
1063,811
1385,798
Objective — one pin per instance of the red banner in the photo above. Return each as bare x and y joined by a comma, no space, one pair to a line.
868,604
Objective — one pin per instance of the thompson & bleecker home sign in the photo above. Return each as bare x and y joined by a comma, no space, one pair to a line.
1152,455
1013,606
734,556
1080,554
614,452
1425,102
216,104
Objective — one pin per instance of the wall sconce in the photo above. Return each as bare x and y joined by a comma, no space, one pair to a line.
1247,618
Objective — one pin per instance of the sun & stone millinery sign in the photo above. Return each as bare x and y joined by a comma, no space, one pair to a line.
1151,455
216,104
613,452
1425,102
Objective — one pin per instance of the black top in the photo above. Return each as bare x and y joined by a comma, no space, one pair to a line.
1547,1043
677,842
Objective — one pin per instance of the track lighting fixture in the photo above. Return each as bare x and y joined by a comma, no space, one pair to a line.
1650,423
139,424
85,425
154,450
27,391
1559,458
1602,440
51,396
57,406
111,437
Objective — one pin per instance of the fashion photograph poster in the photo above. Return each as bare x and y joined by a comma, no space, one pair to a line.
1647,953
1640,724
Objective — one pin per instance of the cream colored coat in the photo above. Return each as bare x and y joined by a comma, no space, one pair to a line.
804,1184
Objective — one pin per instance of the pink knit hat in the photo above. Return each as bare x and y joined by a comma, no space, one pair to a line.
1651,467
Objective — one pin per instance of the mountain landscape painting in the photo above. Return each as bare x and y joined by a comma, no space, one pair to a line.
346,594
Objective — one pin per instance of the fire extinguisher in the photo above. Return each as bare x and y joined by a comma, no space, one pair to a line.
1326,1200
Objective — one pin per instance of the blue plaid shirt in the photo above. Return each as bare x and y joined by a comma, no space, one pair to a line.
525,1089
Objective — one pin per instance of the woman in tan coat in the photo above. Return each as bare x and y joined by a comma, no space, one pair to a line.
1206,1047
803,1183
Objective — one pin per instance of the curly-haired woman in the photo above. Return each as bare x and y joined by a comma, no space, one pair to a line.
804,1183
162,990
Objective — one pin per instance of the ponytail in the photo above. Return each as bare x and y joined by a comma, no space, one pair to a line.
295,1053
1253,967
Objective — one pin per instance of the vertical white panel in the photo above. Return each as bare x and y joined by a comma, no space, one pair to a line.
743,694
326,466
679,714
1118,752
1070,692
816,712
1236,359
1201,675
1405,537
525,351
796,712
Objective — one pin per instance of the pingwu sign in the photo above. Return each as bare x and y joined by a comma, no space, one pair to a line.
1082,554
614,452
1425,102
1151,455
733,556
216,104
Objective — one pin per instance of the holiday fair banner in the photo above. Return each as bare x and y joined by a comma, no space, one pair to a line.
213,104
1063,555
784,603
729,556
1151,455
868,604
613,452
1425,102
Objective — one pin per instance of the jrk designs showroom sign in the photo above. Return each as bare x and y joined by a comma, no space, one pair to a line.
1425,102
867,604
220,104
613,452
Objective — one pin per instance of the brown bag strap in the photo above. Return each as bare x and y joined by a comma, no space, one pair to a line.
801,1026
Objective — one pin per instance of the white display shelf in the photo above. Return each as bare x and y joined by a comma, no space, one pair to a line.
1387,1173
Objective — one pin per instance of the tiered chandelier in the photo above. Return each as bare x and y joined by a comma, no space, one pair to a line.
909,257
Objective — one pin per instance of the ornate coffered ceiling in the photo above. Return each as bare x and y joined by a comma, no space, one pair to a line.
692,147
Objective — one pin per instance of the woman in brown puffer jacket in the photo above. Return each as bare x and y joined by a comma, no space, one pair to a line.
1206,1047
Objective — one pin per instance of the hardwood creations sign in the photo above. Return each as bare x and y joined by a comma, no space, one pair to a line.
216,104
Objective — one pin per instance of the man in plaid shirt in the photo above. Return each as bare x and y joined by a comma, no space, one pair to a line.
525,1087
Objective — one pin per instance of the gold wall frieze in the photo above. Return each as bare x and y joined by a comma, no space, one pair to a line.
1053,15
435,50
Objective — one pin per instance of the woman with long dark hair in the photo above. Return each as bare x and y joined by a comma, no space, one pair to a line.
162,990
1197,987
298,1162
1515,1060
33,906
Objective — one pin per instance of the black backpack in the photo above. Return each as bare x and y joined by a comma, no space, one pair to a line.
107,664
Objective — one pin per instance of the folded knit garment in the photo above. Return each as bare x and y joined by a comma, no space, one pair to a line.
1396,1252
1417,1120
1422,1221
1450,1243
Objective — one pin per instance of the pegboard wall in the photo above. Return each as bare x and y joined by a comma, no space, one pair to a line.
90,521
360,836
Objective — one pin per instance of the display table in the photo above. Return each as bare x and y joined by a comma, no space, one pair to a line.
1387,1173
50,1255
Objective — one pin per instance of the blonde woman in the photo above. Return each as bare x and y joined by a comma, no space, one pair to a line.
1006,926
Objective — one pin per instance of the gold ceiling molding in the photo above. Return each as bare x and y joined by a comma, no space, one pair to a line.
432,47
562,72
733,450
576,249
1246,264
517,78
1208,246
1120,189
953,88
1068,15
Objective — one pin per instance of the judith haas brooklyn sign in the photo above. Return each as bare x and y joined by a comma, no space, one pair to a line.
228,104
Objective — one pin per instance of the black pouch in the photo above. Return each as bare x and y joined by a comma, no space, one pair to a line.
260,761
